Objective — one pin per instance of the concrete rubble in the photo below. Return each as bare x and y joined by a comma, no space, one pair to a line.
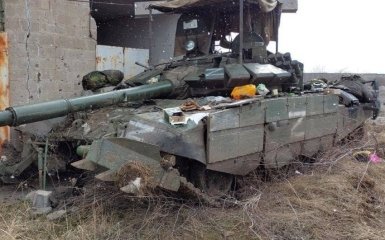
41,203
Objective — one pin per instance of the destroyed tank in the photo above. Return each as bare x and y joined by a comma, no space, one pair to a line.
175,127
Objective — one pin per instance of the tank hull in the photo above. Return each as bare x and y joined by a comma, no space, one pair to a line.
234,138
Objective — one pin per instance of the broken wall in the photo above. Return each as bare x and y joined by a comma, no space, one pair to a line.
51,46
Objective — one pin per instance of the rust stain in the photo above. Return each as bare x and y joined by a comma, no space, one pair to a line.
4,84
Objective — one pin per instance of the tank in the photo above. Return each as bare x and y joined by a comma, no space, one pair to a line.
223,107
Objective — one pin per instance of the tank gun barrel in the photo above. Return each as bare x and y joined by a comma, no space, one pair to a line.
15,116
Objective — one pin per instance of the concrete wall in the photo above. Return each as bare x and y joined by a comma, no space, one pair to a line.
50,48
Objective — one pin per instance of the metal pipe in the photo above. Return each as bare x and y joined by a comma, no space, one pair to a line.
240,31
15,116
45,164
150,36
277,17
40,166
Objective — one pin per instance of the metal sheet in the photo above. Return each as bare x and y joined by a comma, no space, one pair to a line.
238,75
276,109
327,142
167,6
315,105
237,166
350,118
258,71
297,107
266,71
225,119
123,59
321,125
341,131
232,143
248,115
141,8
311,147
331,103
252,114
282,156
108,57
353,118
4,84
289,6
187,141
103,152
132,55
215,74
284,132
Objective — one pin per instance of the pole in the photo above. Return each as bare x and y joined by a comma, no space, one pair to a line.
40,166
150,36
45,164
240,31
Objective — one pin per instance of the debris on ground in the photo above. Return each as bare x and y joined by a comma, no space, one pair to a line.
374,158
40,200
56,215
362,156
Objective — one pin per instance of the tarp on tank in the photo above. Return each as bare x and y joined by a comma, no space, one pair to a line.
182,5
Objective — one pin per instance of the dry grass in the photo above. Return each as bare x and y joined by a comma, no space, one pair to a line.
344,203
337,198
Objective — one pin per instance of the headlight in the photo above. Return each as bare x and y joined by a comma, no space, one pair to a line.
189,45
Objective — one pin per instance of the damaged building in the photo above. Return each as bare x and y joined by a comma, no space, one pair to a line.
47,45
